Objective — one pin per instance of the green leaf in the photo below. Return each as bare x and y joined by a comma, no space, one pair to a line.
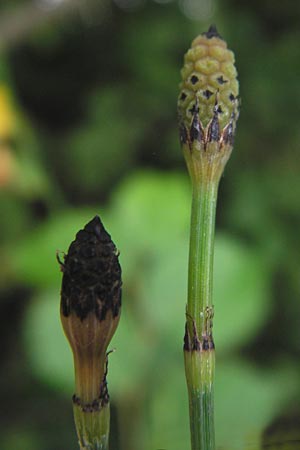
242,296
48,351
148,215
248,399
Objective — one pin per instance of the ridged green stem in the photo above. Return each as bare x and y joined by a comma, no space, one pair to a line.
92,427
200,368
199,354
201,252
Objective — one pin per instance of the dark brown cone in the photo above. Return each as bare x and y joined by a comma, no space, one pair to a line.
90,308
91,274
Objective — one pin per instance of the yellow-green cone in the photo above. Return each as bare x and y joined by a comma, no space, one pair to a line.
208,105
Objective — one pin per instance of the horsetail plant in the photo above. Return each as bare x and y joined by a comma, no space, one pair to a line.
90,312
208,109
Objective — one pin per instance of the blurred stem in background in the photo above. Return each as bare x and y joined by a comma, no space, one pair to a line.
208,111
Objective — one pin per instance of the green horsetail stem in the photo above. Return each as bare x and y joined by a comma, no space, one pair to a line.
90,312
208,109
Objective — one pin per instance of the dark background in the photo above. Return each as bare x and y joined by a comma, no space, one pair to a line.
88,125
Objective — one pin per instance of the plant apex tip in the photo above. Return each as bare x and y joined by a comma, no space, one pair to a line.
212,32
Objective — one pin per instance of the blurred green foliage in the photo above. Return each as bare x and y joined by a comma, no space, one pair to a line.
88,126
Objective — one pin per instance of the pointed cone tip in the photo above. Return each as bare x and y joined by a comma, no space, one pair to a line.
212,32
95,220
94,226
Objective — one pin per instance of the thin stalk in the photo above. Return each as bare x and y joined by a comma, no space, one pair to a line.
201,401
201,253
199,348
92,427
